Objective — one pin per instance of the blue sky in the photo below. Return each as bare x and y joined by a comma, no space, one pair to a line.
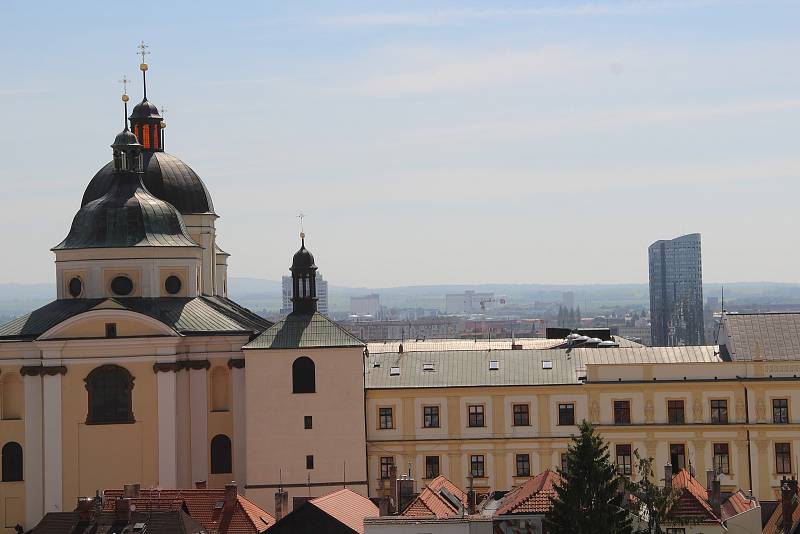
427,142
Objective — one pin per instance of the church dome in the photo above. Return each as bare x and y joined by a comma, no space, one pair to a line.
125,138
303,259
165,177
145,110
126,216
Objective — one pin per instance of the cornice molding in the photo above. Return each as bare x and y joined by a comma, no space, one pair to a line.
236,363
195,365
43,370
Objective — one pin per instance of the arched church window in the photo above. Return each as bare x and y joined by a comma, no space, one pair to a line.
303,379
11,407
110,390
219,389
221,459
12,462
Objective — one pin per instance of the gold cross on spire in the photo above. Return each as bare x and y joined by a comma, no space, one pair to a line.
125,81
143,51
301,216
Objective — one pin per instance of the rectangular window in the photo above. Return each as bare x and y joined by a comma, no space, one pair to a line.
677,456
431,466
476,415
386,420
676,531
430,417
624,462
521,415
622,412
780,411
783,458
307,422
310,461
722,458
386,464
675,413
476,465
111,329
564,462
566,414
719,411
523,465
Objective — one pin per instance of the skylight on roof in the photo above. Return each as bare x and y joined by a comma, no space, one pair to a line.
427,367
547,364
394,371
494,365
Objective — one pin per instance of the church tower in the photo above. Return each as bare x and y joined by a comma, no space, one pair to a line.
305,398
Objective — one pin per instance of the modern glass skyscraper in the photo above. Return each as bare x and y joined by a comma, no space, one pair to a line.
676,292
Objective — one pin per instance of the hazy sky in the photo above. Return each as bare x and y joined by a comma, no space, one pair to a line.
427,141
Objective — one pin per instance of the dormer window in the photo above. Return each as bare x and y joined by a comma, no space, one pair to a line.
394,371
494,365
547,364
428,367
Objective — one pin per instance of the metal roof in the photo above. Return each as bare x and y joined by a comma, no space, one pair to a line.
188,316
527,367
411,345
304,331
166,177
767,336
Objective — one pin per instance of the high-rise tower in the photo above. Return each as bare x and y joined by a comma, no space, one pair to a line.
676,292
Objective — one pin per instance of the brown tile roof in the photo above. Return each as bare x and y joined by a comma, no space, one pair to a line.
532,497
161,522
774,524
738,503
692,502
347,507
431,502
202,506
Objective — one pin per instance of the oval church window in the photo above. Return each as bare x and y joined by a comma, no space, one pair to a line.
122,285
173,285
75,287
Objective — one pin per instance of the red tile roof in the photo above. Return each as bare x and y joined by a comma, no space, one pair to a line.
738,503
692,502
532,497
774,524
347,507
202,506
430,501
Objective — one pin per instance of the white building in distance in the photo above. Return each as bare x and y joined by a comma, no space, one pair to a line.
365,305
322,295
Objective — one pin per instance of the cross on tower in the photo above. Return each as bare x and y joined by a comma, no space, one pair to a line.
143,50
301,216
125,81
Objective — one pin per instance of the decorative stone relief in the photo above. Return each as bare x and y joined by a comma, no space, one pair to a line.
697,411
740,413
649,412
761,410
594,412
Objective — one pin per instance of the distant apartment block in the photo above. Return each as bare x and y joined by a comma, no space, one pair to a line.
469,302
322,295
676,292
367,305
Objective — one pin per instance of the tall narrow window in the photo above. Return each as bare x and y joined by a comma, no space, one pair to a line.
12,462
476,418
783,458
719,411
385,419
303,379
721,458
675,413
430,416
523,465
521,415
11,402
219,389
146,136
386,466
780,411
477,465
624,464
309,461
677,456
622,412
221,457
110,390
431,466
566,414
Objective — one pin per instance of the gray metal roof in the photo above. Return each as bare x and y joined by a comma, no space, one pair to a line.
411,345
188,316
303,331
454,368
767,336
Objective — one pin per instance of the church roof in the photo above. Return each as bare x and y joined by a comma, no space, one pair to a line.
165,177
762,336
187,316
304,331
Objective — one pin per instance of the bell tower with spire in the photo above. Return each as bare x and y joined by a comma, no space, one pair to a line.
146,121
304,274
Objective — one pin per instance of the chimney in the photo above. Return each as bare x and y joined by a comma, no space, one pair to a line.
384,506
122,509
788,495
281,504
471,497
405,492
716,497
84,509
200,484
710,476
668,476
393,487
130,491
231,496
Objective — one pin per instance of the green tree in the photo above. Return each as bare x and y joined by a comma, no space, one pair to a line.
589,498
653,501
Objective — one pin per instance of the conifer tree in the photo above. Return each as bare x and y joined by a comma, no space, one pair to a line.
589,498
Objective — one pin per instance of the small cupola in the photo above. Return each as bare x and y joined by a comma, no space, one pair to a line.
304,274
146,121
127,150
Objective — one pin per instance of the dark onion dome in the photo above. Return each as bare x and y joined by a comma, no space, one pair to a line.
303,259
166,177
145,110
127,216
125,138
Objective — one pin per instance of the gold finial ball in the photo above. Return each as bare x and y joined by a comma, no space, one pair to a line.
125,98
143,67
163,125
302,235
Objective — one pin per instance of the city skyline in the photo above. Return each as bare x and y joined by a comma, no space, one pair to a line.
420,127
